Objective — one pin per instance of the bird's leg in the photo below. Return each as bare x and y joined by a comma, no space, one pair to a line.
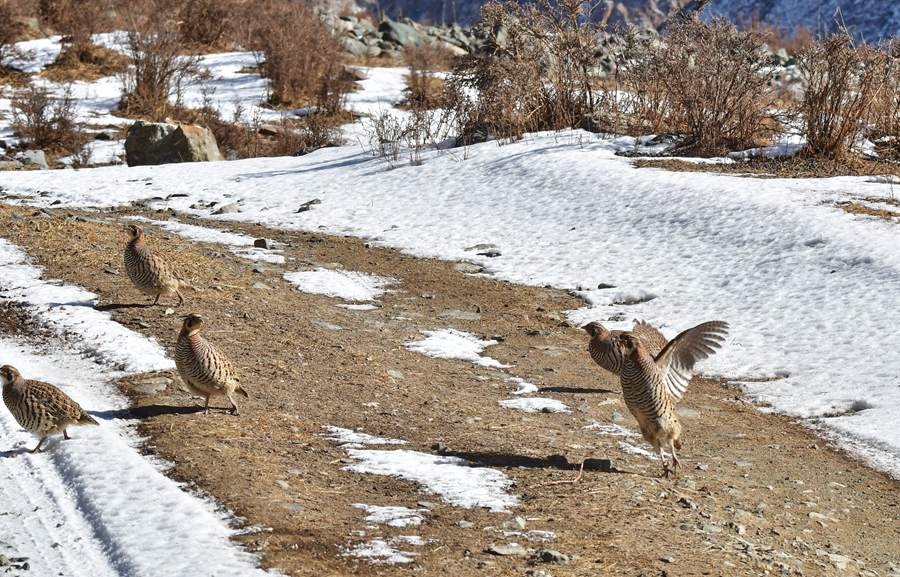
156,300
66,435
38,448
234,407
206,406
674,459
666,470
180,298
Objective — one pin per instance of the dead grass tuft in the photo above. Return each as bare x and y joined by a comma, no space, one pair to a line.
800,166
866,210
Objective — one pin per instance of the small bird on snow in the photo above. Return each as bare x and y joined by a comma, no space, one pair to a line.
40,408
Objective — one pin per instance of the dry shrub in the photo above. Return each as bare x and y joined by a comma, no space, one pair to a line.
158,68
209,23
843,82
424,88
303,60
707,80
886,128
46,122
77,21
536,73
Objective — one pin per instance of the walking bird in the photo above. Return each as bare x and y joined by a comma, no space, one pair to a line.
653,385
205,370
40,408
604,350
147,271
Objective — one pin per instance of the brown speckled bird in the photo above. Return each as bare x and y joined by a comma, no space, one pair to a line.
40,408
205,370
652,386
147,271
606,354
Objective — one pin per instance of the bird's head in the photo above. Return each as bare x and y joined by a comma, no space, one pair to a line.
134,232
192,324
595,329
628,344
9,374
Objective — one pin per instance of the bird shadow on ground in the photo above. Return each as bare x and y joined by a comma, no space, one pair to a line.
511,460
14,452
146,412
575,390
117,306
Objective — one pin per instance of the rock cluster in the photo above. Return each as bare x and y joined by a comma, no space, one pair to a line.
361,37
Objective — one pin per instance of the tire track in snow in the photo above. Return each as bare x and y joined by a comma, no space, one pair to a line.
112,511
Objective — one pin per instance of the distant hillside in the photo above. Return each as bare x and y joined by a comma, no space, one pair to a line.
873,19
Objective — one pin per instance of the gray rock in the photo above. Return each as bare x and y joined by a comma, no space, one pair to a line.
491,253
262,243
507,550
10,164
481,246
327,325
517,523
458,315
468,267
550,556
840,562
261,286
33,158
228,209
148,143
399,33
283,484
395,374
465,524
308,205
667,559
151,385
354,46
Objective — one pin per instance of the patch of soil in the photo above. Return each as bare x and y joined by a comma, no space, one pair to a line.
759,494
864,209
793,167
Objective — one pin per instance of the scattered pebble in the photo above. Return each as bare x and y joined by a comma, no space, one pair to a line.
507,550
550,556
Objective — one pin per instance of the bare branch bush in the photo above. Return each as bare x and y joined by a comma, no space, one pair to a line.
209,23
843,83
886,127
537,73
707,80
47,122
10,28
302,59
424,85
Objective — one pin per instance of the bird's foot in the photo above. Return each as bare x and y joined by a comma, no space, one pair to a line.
570,481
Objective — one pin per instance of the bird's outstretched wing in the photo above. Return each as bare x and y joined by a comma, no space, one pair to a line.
677,359
654,340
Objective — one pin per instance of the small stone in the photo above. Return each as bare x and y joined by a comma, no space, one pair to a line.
617,416
458,315
711,528
667,559
687,503
517,523
492,253
395,374
261,243
482,246
743,464
327,325
109,270
293,506
550,556
262,287
295,472
468,268
283,484
308,205
603,286
465,524
839,561
507,550
228,209
440,448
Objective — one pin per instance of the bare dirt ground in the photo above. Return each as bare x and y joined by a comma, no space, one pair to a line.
759,494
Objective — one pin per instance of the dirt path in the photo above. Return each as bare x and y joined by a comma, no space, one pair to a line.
759,495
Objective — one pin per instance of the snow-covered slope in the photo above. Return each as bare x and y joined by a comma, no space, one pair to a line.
810,291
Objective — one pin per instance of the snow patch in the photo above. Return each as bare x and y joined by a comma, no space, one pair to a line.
455,480
454,344
535,405
349,437
346,285
610,430
639,451
392,516
523,387
380,552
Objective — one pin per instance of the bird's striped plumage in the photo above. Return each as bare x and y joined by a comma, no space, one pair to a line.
148,272
40,408
204,369
652,386
604,351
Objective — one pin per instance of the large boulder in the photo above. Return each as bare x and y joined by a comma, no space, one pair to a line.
161,143
400,33
35,158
